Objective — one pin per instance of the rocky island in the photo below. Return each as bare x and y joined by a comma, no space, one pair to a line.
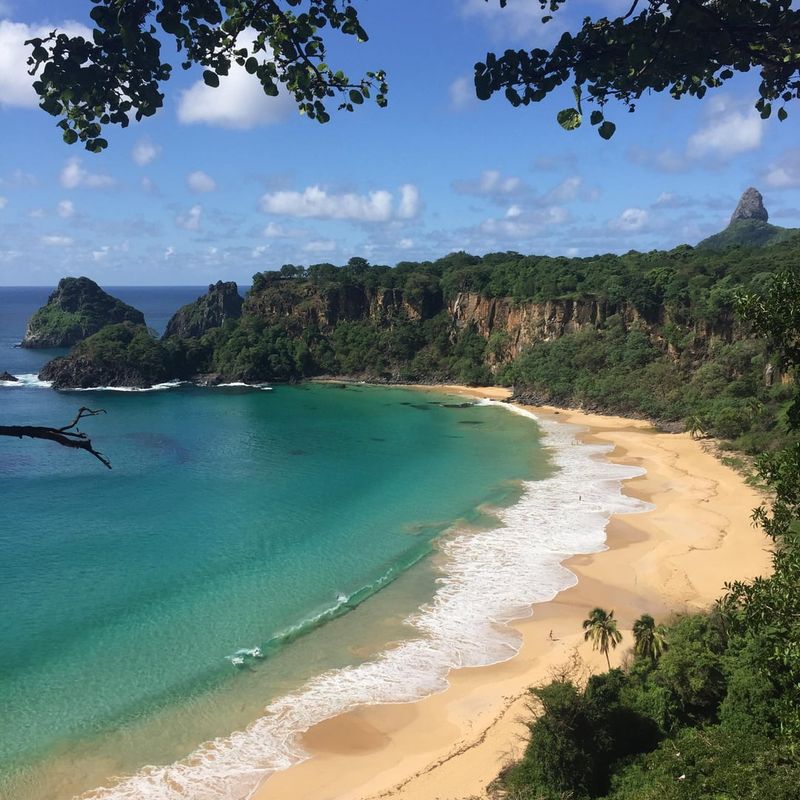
222,302
77,309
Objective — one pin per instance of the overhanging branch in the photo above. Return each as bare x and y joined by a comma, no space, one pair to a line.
68,436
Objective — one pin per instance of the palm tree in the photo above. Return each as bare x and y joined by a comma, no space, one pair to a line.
601,627
650,639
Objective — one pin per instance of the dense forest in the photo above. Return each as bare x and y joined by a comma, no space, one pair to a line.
646,334
708,707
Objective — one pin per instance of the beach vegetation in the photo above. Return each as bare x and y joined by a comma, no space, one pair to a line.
600,628
724,697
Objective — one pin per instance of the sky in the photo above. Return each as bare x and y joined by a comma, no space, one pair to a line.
223,183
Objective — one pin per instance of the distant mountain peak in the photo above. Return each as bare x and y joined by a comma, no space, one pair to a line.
751,206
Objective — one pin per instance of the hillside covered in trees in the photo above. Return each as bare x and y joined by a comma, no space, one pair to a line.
647,334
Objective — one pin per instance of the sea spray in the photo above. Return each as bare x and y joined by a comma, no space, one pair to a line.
489,578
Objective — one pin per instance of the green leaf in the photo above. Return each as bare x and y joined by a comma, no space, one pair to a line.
606,130
782,114
251,65
70,137
211,78
596,118
355,97
569,119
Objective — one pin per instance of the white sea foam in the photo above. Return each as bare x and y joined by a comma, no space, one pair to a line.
489,578
240,384
157,387
27,381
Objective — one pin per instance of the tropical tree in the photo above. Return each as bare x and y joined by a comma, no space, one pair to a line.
600,628
650,640
684,46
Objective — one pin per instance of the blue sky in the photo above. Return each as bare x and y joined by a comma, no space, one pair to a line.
224,183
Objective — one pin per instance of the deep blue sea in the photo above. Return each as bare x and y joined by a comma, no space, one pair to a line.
315,523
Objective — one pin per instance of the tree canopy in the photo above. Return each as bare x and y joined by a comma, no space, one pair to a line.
119,73
685,47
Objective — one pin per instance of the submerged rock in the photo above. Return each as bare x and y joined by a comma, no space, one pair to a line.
209,311
77,309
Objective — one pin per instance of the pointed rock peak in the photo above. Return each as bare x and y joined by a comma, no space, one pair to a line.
751,206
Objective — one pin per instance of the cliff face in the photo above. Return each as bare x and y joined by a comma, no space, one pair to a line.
221,302
77,309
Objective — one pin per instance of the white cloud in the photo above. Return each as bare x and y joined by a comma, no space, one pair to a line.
730,129
320,246
66,209
144,152
491,183
462,94
316,203
16,85
191,220
409,202
784,174
74,175
526,224
630,220
200,182
569,189
513,211
102,253
259,251
169,252
37,213
56,241
522,18
3,202
405,244
238,102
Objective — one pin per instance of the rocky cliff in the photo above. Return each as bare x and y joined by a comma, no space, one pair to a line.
221,302
77,309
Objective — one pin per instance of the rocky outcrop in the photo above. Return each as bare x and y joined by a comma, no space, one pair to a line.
77,309
221,302
751,206
124,355
8,377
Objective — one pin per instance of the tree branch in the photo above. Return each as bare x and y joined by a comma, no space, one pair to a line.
66,436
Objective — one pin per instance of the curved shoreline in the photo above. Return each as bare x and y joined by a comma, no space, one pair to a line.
451,745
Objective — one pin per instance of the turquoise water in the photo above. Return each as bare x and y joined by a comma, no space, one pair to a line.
233,518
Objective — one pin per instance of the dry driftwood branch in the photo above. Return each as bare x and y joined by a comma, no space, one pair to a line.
68,436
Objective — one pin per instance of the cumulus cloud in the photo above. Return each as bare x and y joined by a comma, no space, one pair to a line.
56,241
238,102
66,209
101,254
200,182
630,220
784,174
190,221
144,152
315,202
729,129
16,86
169,252
320,246
516,21
74,175
491,183
521,224
462,94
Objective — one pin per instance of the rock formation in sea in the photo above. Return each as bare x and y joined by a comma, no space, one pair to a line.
77,309
209,311
7,376
121,355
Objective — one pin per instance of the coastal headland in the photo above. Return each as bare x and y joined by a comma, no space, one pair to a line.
672,559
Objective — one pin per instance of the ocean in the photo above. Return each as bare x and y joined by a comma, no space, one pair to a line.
365,540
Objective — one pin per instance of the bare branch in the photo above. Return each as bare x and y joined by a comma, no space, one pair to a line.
66,436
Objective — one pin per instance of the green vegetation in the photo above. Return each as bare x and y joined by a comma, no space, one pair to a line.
713,709
76,309
748,233
600,628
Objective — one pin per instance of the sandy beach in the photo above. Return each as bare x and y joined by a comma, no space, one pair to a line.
672,559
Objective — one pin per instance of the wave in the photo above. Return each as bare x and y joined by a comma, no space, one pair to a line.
158,387
27,380
239,384
490,578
